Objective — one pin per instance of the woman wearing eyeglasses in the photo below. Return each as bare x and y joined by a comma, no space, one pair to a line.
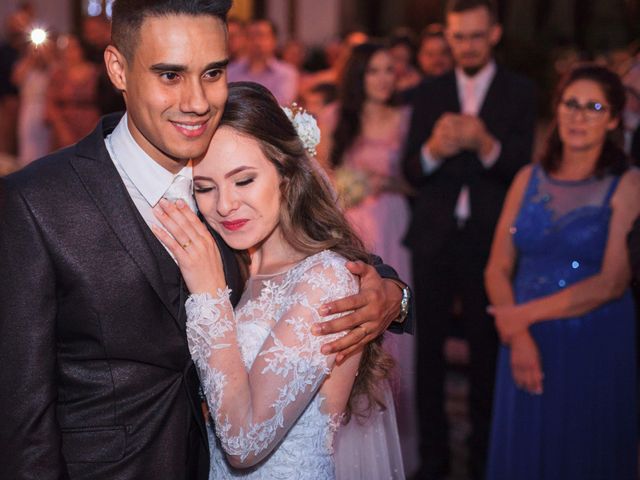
558,281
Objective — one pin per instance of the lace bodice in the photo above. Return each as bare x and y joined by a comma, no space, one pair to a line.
560,233
262,371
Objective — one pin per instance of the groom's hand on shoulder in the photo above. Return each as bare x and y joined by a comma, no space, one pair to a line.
372,309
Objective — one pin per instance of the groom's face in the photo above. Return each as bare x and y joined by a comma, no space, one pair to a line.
174,85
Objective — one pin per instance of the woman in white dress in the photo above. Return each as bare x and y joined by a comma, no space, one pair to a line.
31,74
274,398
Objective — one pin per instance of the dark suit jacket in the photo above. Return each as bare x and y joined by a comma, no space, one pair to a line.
96,380
508,113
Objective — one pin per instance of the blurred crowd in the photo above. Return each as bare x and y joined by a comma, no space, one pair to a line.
423,136
54,86
52,92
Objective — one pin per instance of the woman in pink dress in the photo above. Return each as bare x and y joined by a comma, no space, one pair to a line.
363,140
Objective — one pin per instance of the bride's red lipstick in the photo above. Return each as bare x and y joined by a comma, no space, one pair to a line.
235,225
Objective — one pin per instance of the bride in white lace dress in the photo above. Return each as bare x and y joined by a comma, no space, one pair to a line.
274,398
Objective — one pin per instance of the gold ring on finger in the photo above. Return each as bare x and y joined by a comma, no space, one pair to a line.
364,330
186,244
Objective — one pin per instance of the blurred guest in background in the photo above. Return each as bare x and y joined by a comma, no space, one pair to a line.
318,97
96,35
434,54
31,74
294,53
558,279
472,130
16,42
337,55
237,38
72,108
261,65
363,140
403,52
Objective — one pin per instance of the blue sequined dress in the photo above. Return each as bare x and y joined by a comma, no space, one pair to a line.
584,424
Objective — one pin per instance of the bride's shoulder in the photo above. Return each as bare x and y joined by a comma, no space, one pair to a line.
326,264
327,258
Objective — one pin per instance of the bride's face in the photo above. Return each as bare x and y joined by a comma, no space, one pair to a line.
238,190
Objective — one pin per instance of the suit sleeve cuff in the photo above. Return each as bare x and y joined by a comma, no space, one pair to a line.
491,158
429,162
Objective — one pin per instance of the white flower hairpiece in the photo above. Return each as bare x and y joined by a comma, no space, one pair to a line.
306,127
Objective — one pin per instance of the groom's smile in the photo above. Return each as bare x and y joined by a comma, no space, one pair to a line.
191,130
174,85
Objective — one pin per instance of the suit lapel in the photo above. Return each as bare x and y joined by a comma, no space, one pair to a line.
103,183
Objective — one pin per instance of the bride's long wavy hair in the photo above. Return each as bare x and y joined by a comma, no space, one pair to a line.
310,218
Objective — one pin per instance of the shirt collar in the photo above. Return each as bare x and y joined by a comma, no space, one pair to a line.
148,176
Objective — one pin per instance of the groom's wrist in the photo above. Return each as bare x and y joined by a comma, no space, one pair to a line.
404,300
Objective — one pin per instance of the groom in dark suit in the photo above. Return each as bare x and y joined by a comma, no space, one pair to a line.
471,131
96,380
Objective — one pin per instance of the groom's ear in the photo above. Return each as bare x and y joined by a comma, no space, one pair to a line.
116,63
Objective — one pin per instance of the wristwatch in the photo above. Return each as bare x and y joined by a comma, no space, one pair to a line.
404,304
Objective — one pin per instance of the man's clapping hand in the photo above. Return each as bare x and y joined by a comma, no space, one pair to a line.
444,141
456,132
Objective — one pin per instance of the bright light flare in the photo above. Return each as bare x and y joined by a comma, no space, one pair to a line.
38,36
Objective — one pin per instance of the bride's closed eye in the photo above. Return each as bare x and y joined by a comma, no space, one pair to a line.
208,187
203,188
245,182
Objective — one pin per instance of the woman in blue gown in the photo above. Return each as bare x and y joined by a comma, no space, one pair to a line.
558,280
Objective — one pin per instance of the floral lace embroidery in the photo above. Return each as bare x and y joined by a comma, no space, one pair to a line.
289,367
201,335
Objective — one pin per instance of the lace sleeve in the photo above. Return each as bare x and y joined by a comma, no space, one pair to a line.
253,410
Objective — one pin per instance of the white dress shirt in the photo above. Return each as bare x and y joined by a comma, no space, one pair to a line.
471,94
145,179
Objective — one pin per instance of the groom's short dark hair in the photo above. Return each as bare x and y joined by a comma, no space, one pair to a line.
457,6
128,16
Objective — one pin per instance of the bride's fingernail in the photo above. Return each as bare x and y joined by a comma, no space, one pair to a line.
180,203
315,330
324,310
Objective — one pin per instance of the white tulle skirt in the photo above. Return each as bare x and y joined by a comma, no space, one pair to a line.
370,449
